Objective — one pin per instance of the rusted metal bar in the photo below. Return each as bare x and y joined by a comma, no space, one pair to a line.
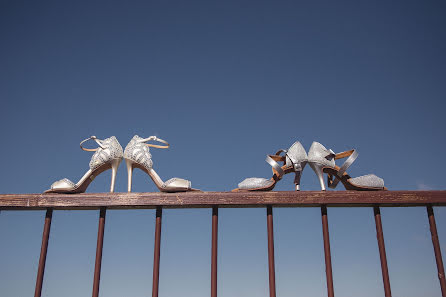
382,251
214,251
100,244
156,256
43,250
272,271
436,243
328,270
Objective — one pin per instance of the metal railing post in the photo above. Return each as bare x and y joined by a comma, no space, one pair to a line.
99,246
214,251
437,251
43,252
156,252
382,251
328,269
271,265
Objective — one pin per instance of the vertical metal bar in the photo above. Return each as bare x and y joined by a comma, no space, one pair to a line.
272,274
97,267
328,270
156,256
43,250
382,251
214,251
436,243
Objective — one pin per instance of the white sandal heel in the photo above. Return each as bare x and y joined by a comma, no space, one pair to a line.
318,169
129,164
322,161
107,156
114,167
137,155
294,160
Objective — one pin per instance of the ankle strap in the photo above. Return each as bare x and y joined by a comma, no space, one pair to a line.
98,141
154,138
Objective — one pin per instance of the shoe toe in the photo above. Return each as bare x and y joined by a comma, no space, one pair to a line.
63,184
177,184
369,180
254,183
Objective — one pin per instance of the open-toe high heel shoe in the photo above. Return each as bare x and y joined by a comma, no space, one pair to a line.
294,160
107,156
137,155
322,161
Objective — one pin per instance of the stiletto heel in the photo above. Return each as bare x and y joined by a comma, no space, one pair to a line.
294,160
297,180
318,169
323,161
114,166
129,164
107,156
137,154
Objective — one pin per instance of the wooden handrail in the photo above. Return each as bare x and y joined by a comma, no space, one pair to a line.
222,199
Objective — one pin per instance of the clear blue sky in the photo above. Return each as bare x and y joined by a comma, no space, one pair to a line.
225,83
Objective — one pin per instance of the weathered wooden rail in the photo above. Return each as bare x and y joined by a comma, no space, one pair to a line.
222,199
215,200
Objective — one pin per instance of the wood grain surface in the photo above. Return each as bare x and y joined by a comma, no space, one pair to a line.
222,199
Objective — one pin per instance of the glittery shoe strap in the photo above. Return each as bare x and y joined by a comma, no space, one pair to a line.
352,155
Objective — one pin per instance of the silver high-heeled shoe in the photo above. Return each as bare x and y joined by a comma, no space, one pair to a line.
322,160
107,156
137,155
294,160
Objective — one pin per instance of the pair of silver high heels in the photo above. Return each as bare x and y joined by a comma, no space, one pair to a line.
109,154
321,160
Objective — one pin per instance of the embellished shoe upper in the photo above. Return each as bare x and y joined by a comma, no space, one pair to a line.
108,150
136,150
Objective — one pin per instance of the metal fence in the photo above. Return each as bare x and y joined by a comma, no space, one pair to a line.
216,200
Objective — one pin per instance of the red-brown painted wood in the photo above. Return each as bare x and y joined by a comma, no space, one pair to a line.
222,199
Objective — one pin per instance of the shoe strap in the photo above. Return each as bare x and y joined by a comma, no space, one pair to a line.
281,151
98,141
352,155
296,165
277,169
154,138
